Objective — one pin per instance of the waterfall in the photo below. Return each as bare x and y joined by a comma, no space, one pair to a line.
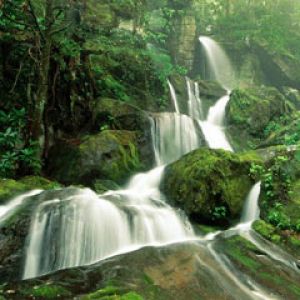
7,209
195,109
173,136
219,65
174,97
220,70
213,127
251,208
84,227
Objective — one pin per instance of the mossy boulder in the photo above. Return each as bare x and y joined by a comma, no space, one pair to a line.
209,185
251,112
111,155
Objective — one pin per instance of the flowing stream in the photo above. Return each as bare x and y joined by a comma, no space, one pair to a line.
84,227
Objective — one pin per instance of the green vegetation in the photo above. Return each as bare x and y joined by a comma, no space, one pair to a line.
46,291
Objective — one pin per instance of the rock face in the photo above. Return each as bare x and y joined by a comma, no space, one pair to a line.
182,271
209,185
250,112
110,155
280,70
182,41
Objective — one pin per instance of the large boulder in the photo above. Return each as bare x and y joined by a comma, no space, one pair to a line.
209,185
178,271
110,155
251,114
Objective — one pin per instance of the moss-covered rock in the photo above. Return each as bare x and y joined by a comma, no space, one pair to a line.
110,155
250,261
10,188
210,185
251,113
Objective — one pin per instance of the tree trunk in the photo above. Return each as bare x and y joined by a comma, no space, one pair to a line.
41,98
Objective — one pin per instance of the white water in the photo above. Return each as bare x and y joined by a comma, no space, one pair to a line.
173,136
195,109
251,208
213,127
219,65
84,228
7,210
174,97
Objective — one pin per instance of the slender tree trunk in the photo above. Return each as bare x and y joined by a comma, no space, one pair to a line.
41,98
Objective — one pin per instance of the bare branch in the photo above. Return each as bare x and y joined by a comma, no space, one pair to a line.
17,78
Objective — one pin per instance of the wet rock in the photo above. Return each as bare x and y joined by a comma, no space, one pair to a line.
180,271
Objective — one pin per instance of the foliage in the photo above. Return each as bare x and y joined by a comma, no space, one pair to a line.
219,213
16,157
274,22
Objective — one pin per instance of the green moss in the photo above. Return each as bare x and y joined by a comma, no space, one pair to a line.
294,241
109,155
131,296
256,116
263,228
272,278
112,293
46,292
236,249
207,181
107,291
10,188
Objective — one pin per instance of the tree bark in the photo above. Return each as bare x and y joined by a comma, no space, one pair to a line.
41,97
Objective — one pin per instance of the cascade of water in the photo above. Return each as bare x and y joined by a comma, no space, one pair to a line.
195,109
86,227
251,208
173,136
7,209
220,68
213,126
174,97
